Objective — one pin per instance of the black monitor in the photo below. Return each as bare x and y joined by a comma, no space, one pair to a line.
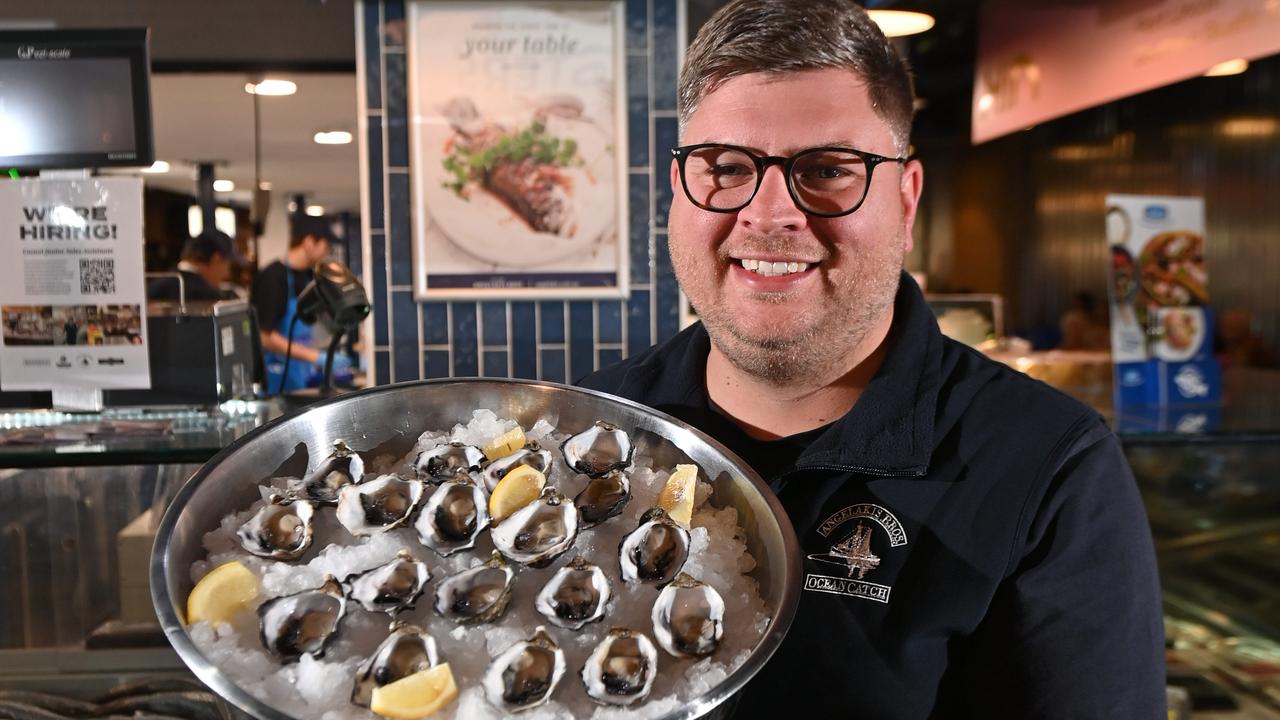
75,99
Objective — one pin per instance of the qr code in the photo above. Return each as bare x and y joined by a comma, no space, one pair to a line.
97,277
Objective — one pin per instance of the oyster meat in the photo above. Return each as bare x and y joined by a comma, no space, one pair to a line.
281,530
524,675
453,517
598,449
343,467
621,669
603,497
576,594
655,551
407,650
476,595
378,505
532,455
688,618
538,533
391,587
444,461
302,623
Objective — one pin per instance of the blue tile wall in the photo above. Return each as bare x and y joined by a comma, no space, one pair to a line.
555,340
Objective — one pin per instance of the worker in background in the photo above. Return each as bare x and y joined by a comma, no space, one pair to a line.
275,298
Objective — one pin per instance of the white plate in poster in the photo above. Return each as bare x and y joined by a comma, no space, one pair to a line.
484,227
1182,333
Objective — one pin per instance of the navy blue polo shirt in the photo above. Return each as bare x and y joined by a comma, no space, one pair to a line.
974,543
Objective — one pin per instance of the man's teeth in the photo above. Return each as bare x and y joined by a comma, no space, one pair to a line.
771,269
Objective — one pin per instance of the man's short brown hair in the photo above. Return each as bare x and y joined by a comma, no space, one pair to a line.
301,226
785,36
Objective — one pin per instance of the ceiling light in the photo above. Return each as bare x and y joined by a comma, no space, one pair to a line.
271,87
1230,67
264,185
896,23
333,137
315,210
157,167
223,186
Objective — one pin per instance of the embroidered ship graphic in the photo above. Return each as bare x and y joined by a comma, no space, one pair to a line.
855,551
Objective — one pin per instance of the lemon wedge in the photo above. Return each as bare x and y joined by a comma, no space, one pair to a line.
677,495
516,489
505,444
417,695
222,593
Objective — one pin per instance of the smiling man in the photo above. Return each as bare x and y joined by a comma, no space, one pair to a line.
974,544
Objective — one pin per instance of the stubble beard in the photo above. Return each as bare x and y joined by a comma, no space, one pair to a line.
856,302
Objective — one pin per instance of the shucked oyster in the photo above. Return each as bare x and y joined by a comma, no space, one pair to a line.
576,594
538,533
476,595
378,505
598,449
407,650
391,587
343,467
281,530
688,618
532,455
603,497
524,675
655,551
621,669
445,461
302,623
453,517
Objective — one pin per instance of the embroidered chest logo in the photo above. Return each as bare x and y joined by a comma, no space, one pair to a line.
853,551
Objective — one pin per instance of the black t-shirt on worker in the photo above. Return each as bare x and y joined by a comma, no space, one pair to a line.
270,295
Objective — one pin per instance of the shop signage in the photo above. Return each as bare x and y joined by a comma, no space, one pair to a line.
518,135
1161,325
72,298
1039,61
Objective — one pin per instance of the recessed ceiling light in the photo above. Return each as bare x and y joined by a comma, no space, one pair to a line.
315,210
1230,67
223,186
896,23
157,167
333,137
271,87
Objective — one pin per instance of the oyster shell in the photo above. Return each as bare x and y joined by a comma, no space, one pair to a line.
453,517
343,467
303,623
281,530
444,461
476,595
688,617
621,669
603,497
538,533
532,455
391,587
524,675
576,594
598,449
407,650
378,505
655,551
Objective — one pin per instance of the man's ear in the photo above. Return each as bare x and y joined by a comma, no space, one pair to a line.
909,189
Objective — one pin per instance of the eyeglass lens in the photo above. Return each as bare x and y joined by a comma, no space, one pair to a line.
823,181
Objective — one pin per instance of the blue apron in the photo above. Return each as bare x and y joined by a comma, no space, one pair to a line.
299,370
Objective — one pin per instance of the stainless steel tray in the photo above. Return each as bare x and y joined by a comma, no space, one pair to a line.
388,420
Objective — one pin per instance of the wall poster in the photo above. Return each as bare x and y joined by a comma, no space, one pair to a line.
517,120
72,298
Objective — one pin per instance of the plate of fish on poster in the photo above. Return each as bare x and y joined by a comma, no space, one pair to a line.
516,168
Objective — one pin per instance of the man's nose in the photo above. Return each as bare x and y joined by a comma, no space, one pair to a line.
772,209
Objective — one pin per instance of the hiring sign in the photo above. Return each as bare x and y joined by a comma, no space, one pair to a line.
72,294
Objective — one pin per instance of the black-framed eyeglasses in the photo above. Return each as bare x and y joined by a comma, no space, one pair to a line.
822,181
